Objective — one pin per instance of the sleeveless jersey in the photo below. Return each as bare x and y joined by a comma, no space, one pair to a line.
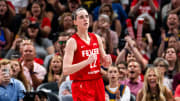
91,71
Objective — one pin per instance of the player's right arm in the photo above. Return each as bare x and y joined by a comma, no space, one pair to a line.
68,67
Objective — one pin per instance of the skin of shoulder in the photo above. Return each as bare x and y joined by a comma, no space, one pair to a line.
71,43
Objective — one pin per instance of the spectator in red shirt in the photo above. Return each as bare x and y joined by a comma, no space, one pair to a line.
37,14
139,7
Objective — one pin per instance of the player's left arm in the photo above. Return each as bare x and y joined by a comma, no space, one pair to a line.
106,60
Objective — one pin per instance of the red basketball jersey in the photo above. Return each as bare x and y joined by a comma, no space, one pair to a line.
91,71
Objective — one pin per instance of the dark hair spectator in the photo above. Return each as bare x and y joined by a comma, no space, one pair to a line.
43,46
37,14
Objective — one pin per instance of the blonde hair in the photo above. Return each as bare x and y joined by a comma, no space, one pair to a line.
50,73
4,62
146,88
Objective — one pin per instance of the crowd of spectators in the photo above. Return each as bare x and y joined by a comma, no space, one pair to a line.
146,56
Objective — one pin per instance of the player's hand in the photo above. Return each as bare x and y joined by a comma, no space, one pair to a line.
106,61
92,58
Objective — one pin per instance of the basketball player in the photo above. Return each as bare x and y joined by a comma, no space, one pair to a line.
83,54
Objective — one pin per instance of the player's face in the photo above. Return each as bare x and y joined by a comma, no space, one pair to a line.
82,19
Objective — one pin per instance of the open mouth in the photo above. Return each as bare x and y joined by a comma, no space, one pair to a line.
172,23
86,24
152,81
132,72
1,11
55,66
113,77
36,11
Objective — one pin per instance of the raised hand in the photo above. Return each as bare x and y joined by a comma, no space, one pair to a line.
106,61
4,78
30,66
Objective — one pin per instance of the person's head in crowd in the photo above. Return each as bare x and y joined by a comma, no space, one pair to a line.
17,72
171,56
107,9
104,21
73,5
33,31
66,21
134,70
172,21
61,42
130,57
3,7
36,10
161,64
122,68
153,83
6,71
23,43
113,74
28,52
55,69
15,65
173,42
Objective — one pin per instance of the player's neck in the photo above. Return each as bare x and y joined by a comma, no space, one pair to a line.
83,34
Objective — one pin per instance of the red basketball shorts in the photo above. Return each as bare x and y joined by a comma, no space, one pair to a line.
90,90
